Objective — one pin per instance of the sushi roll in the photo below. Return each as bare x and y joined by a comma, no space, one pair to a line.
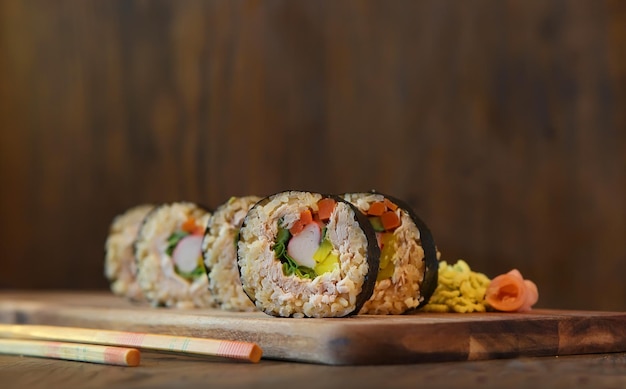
119,259
220,254
408,269
305,254
168,251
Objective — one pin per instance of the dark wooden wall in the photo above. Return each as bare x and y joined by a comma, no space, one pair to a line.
502,122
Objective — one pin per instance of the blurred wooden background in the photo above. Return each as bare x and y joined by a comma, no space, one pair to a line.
502,122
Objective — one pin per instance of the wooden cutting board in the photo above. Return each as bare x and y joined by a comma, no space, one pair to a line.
357,340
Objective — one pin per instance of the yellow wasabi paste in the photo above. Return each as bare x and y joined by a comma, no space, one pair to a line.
459,289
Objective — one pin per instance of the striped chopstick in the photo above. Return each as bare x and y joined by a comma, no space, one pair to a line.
120,356
245,351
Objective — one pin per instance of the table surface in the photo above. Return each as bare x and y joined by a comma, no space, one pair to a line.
159,370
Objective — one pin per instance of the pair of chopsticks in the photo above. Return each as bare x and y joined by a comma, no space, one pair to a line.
112,347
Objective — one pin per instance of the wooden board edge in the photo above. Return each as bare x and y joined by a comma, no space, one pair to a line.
349,341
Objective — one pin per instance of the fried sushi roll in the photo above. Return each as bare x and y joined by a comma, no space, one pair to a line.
304,254
220,253
119,260
408,269
168,251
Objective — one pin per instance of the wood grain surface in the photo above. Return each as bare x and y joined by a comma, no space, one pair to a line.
501,123
357,340
591,371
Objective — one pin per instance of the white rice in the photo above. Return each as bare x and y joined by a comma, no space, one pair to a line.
156,274
119,263
220,254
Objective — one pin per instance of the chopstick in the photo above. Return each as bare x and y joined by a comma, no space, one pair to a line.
245,351
71,351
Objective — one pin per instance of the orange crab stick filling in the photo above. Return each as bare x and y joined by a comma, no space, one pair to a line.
190,226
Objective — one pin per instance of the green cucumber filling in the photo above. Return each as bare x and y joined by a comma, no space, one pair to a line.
376,223
173,239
